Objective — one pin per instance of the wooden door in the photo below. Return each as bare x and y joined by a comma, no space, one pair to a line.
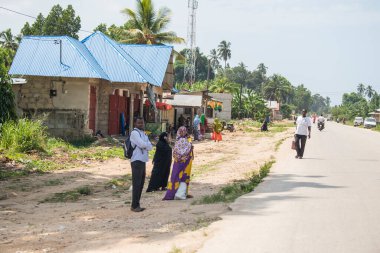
92,112
113,118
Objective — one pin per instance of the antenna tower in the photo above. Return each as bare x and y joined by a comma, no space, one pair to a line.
191,57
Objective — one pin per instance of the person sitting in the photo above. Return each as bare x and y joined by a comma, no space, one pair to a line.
264,126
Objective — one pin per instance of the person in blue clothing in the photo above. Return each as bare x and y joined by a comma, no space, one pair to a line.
141,145
196,124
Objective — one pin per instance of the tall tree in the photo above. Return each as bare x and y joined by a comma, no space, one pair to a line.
361,89
201,67
277,87
147,26
224,51
214,59
7,40
7,103
59,21
302,98
369,91
223,85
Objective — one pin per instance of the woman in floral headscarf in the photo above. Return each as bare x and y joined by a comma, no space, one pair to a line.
180,178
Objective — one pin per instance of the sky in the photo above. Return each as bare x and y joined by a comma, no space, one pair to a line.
330,46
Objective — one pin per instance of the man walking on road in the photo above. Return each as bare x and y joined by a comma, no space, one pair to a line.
141,145
302,131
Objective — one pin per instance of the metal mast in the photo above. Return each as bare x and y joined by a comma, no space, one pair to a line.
189,75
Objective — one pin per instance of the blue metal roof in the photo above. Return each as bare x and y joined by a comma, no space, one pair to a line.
40,56
154,59
118,65
97,56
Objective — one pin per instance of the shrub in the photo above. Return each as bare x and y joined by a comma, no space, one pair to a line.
23,136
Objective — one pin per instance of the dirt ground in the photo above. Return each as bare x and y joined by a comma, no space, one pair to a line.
103,222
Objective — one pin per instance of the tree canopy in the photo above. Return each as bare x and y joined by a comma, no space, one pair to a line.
59,21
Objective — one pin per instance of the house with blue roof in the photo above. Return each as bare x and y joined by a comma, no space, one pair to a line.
91,85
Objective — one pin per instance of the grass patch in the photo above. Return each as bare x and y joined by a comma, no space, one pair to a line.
278,144
175,250
53,182
231,192
23,136
69,196
211,166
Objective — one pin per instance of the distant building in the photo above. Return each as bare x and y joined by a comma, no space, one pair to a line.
274,107
376,115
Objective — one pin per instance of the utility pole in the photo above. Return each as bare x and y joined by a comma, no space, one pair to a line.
191,57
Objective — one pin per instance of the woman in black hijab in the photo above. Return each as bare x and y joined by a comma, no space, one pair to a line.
161,165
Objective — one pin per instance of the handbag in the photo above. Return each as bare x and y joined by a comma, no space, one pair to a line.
294,145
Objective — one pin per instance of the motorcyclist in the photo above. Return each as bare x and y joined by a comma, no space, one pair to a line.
321,122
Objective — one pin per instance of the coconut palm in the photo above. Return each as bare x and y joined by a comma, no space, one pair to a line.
361,89
7,40
147,26
224,51
369,91
214,59
277,88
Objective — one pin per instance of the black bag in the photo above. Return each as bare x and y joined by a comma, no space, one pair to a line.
128,149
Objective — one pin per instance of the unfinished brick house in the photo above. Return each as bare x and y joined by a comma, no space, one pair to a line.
87,86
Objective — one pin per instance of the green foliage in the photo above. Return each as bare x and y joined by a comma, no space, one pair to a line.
201,67
231,192
277,88
286,110
8,41
252,105
223,85
7,98
69,196
353,105
224,51
302,98
59,21
23,136
145,25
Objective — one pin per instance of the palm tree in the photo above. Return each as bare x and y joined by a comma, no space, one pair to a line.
214,59
146,26
277,87
224,51
7,40
361,89
223,85
369,91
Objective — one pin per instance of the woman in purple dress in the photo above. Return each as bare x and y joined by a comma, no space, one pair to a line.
178,186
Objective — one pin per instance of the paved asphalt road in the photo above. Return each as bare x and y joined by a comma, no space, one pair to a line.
327,202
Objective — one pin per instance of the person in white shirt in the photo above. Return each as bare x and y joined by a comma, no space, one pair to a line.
141,145
321,119
303,131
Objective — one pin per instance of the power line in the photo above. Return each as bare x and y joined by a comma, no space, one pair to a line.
29,16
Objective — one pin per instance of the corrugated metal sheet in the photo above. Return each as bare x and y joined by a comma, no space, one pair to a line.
40,56
118,65
154,59
97,56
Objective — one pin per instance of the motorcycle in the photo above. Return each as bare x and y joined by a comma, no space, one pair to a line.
321,126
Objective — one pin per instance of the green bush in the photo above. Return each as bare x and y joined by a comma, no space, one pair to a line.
23,136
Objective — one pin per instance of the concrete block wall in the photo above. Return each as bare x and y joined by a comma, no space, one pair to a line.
226,98
66,114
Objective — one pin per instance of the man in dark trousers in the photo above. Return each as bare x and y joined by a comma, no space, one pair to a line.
141,144
303,131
